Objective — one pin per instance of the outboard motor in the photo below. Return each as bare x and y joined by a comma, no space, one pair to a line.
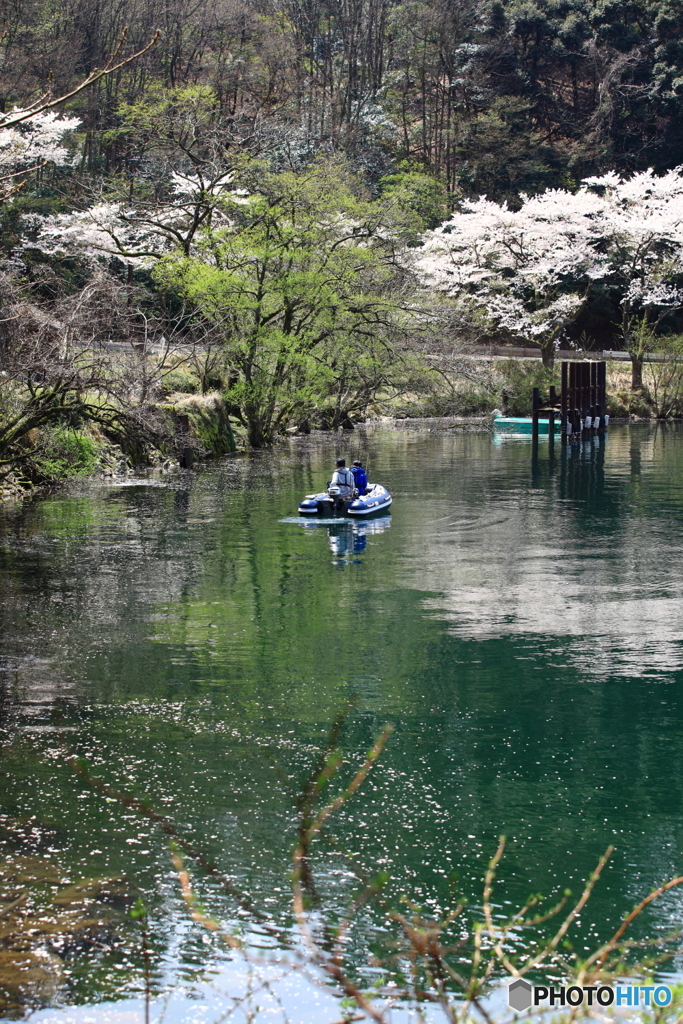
324,503
337,502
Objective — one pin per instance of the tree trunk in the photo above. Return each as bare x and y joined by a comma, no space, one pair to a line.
548,355
256,436
636,371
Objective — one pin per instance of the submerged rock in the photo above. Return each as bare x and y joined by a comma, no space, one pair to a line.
69,934
26,834
43,921
28,978
117,893
18,875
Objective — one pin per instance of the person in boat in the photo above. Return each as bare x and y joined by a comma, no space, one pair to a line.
342,486
360,477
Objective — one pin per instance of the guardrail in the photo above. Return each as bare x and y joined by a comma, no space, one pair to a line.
571,355
486,351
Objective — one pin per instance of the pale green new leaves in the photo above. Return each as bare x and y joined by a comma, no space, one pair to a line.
301,284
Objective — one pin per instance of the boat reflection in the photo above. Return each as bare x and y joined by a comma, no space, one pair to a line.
348,537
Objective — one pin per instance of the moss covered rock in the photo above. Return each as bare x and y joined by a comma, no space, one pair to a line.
205,419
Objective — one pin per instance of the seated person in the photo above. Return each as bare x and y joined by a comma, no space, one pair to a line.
342,485
360,476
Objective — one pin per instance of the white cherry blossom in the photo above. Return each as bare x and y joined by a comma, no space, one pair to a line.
528,270
138,236
105,230
34,141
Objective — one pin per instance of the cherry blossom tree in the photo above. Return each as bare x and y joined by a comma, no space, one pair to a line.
528,272
519,270
42,382
35,140
640,228
138,235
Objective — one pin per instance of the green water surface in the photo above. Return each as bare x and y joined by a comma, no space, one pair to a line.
521,626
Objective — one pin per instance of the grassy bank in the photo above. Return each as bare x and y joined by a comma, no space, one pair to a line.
154,434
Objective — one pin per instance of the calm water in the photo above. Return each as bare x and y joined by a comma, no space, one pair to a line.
522,628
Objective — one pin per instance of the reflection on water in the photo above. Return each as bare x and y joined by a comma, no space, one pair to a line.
576,561
520,621
346,537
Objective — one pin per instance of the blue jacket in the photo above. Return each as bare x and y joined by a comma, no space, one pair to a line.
361,478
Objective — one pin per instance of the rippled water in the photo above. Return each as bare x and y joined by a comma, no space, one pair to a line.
521,625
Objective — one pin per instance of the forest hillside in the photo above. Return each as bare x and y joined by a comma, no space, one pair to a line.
315,207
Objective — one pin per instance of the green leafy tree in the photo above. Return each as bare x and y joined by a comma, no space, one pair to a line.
305,286
419,201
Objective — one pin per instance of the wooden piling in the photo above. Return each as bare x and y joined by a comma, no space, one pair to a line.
581,404
584,397
536,404
186,459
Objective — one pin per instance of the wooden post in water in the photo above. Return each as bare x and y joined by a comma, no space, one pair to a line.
602,390
552,402
584,397
186,459
586,404
536,404
551,432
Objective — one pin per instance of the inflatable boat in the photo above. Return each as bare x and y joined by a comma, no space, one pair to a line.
376,499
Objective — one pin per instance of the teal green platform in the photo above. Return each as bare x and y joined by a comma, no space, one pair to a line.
522,425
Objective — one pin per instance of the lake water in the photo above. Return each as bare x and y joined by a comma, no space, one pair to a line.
520,624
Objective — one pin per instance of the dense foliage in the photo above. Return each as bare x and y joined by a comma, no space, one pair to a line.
492,97
303,281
